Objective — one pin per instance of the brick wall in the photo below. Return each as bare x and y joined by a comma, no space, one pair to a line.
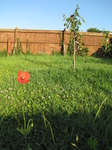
46,40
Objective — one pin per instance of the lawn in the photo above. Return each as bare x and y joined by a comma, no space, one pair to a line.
58,109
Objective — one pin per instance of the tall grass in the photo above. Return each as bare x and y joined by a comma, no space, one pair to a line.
74,105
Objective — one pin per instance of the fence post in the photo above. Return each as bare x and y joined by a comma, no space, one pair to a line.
15,40
63,37
15,36
8,46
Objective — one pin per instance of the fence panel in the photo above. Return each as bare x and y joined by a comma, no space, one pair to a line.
46,41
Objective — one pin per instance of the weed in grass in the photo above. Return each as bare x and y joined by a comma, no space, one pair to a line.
25,130
99,109
4,53
92,143
47,122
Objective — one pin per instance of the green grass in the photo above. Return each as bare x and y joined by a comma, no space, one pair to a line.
67,110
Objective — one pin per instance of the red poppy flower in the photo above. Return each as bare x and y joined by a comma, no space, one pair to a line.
23,77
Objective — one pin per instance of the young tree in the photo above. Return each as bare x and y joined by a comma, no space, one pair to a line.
73,22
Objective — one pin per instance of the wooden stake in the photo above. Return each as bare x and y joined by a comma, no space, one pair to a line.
74,56
8,46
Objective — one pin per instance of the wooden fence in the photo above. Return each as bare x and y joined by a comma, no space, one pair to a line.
46,41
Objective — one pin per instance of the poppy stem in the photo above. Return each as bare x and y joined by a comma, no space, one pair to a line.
24,118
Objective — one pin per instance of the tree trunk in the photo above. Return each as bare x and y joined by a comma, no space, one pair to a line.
74,56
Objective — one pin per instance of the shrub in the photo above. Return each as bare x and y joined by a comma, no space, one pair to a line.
4,52
107,45
18,49
93,30
81,49
56,53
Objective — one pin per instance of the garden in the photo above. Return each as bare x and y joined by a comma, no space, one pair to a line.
45,105
57,102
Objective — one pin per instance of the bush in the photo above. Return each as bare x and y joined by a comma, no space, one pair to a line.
81,49
107,45
56,53
4,53
93,30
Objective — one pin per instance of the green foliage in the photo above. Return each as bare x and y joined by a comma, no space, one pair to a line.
56,53
93,30
73,22
107,45
28,48
61,43
27,127
92,143
81,49
99,109
61,39
70,50
18,49
73,104
4,53
47,122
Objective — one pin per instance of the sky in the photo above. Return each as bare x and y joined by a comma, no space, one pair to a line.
48,14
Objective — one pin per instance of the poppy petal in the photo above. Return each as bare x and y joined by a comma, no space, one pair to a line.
20,73
23,77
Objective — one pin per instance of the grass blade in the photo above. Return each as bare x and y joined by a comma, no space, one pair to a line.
99,109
